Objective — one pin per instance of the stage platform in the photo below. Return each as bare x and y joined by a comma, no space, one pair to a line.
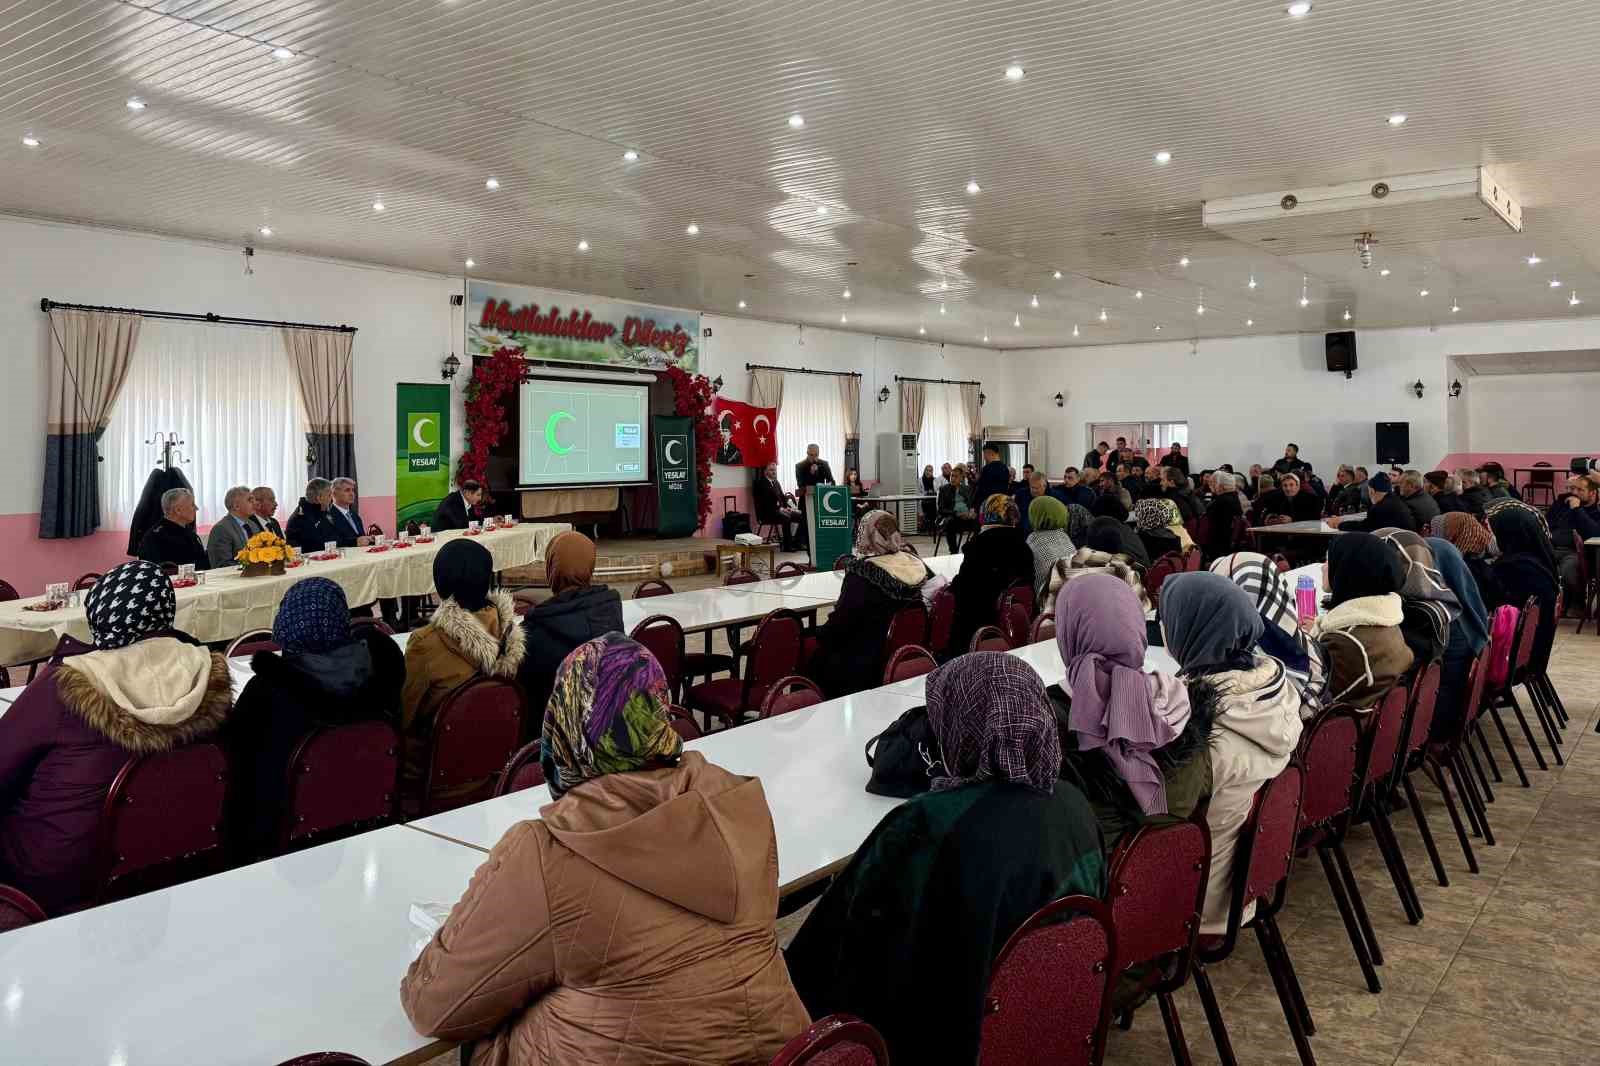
620,560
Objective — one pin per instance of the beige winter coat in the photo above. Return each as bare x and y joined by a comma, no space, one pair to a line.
1367,653
633,924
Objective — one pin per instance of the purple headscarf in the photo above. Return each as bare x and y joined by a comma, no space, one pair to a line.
994,723
1100,633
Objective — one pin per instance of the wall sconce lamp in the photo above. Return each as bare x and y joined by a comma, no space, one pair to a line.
1061,401
883,394
716,383
1416,387
450,367
1455,388
982,399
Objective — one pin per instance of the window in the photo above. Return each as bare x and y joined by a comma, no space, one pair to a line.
812,413
227,391
944,436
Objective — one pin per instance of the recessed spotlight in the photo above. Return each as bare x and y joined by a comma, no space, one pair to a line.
843,319
1158,327
1305,301
1015,73
1384,272
1249,321
741,305
1346,315
630,156
796,121
492,184
1397,119
1138,294
1573,300
822,209
1035,301
922,331
1422,292
1163,156
30,141
941,309
1299,9
377,205
282,53
1074,329
846,293
1454,307
985,338
1184,261
943,285
1252,282
471,263
1199,309
973,188
1555,283
1058,275
1016,321
1534,260
583,246
692,229
135,104
1103,315
265,231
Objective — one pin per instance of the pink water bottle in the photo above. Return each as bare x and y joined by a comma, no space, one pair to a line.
1305,598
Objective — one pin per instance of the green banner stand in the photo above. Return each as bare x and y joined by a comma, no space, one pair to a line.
677,501
829,522
422,451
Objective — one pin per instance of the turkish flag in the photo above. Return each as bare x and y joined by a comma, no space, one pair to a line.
748,433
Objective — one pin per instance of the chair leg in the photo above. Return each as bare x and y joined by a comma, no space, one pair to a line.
1427,832
1169,1017
1358,902
1358,942
1547,720
1282,948
1477,811
1522,720
1219,1031
1395,860
1554,697
1455,815
1488,756
1477,767
1505,738
1286,996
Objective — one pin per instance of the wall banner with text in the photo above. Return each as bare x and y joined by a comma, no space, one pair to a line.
579,329
422,450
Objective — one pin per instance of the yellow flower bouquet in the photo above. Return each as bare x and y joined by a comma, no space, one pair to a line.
263,554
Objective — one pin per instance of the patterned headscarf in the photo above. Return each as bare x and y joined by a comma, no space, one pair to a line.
131,602
1465,532
1156,513
314,616
1078,518
1423,580
1001,510
878,533
1494,507
1282,638
607,714
994,723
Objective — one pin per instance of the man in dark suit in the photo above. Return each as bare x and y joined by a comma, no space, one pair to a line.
346,519
1176,459
1387,510
773,505
458,508
173,539
995,477
310,526
264,503
811,471
232,530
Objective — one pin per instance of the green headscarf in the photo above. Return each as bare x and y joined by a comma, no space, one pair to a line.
1047,512
607,714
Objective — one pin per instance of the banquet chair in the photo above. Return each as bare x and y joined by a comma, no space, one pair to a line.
1155,889
1049,996
790,693
1044,628
1541,483
1163,568
791,569
18,909
941,619
837,1040
325,1058
652,587
908,662
247,644
663,637
1241,534
341,779
1411,756
1497,696
1589,589
775,653
909,625
683,723
8,592
988,638
1013,619
162,821
739,575
1522,674
842,562
362,622
474,732
695,663
522,770
1385,739
87,581
1192,559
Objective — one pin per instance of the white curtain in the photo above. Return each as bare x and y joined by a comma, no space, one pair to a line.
811,414
943,438
230,393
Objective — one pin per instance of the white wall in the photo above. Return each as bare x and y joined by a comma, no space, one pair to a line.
1534,413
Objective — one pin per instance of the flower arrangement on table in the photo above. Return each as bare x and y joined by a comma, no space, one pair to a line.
263,554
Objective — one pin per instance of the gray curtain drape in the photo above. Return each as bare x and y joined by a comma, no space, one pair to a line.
89,365
913,402
322,365
766,388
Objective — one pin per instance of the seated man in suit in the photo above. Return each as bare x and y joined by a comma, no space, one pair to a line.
344,516
461,506
265,507
776,506
310,526
173,539
232,529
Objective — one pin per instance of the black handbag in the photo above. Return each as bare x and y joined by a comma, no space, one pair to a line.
905,757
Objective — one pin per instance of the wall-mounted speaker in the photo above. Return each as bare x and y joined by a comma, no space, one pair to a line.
1341,352
1394,442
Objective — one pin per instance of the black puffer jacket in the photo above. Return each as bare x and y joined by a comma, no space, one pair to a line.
553,629
849,654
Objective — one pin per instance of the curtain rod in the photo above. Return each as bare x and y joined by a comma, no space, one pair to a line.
937,381
803,370
47,305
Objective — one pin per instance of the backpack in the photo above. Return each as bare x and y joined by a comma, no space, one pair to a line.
1502,631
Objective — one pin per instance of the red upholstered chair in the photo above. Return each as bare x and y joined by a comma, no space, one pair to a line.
1262,861
325,1058
17,909
1014,621
791,569
941,619
663,637
1540,488
1522,673
1241,533
162,820
837,1040
683,723
653,587
474,733
775,654
361,623
8,591
1049,997
791,693
1589,595
341,779
247,644
988,638
1157,886
1191,559
1022,593
1499,696
1044,628
1163,568
1424,703
87,581
738,575
1453,753
908,626
522,770
909,661
842,562
1386,736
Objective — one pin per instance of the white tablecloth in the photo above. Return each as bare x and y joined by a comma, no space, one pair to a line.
228,604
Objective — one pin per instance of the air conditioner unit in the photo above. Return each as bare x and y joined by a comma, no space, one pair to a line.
898,474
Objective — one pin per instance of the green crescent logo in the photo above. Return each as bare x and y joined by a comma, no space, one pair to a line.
554,445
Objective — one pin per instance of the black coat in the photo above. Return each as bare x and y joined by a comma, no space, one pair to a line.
344,527
1474,500
1224,508
807,474
769,499
1180,462
1564,520
168,542
148,511
1303,506
310,528
1188,506
268,524
1423,508
849,654
1387,512
451,513
289,696
1094,460
994,478
1448,502
554,628
991,562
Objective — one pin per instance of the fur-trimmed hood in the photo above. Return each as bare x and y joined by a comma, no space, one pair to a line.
465,633
1384,610
151,696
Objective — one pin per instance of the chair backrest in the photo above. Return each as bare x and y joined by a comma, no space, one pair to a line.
1424,701
740,576
791,569
908,626
1049,997
162,820
941,618
1582,552
1044,628
87,581
67,647
775,653
1477,687
837,1040
1240,534
1022,592
1282,562
988,638
341,778
790,694
1263,857
325,1058
8,591
1163,568
360,623
1386,732
653,587
1329,755
250,643
1014,621
910,661
1527,635
474,733
683,723
663,636
1191,560
1157,886
17,909
842,562
521,771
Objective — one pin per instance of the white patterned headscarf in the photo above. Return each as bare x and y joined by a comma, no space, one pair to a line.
131,602
1269,589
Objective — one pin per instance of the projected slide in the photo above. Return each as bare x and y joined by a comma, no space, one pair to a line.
582,432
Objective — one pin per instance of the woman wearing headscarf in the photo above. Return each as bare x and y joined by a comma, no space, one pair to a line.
1468,636
1366,651
881,579
577,610
1429,604
142,690
906,935
1087,561
1281,637
320,676
1078,519
1115,537
991,562
1133,742
1472,539
634,919
1213,629
1161,527
473,633
1049,540
1525,569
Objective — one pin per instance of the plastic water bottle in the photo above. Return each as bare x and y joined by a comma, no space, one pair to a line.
1305,597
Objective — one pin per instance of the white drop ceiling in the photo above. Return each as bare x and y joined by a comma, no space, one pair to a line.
418,102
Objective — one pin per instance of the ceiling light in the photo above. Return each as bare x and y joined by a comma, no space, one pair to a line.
1454,307
265,231
1163,156
973,188
1058,275
492,184
1252,282
1422,292
922,331
583,246
941,309
1305,301
1074,329
282,53
741,305
1035,301
1103,316
1015,73
846,293
1200,309
986,338
1184,261
1158,327
796,121
692,229
1138,294
1384,272
943,285
1534,260
1016,321
843,319
1555,283
135,104
1347,314
1299,9
1573,300
630,156
471,263
30,141
377,205
1249,321
822,209
1397,119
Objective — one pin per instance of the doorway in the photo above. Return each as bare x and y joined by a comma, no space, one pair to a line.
1150,439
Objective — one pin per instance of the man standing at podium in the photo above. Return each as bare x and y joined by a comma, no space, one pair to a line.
808,472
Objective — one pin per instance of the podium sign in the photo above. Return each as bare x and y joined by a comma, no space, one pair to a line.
677,502
828,521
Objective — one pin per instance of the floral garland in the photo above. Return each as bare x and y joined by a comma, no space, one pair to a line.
486,417
692,395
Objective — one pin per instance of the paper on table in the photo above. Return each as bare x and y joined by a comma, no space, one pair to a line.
426,917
